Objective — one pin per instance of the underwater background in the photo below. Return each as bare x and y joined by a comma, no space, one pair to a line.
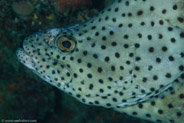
25,96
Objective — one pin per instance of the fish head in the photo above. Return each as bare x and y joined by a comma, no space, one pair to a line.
41,54
77,64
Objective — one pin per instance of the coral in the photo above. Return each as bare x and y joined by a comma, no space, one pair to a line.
62,5
22,8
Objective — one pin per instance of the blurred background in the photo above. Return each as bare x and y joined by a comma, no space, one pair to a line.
23,95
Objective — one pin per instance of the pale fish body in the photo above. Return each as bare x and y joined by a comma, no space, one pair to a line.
128,58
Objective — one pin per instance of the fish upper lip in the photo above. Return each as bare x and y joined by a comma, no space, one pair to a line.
25,58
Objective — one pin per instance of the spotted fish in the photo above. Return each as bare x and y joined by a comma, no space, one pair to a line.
129,57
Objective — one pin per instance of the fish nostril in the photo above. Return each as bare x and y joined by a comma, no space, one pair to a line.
49,42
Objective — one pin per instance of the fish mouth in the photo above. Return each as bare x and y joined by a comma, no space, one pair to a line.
23,54
26,59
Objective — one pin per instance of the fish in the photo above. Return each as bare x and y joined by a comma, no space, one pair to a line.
129,57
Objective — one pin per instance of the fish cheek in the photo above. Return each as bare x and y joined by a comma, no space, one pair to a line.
55,72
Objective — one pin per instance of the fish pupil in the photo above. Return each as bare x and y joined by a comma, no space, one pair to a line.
66,44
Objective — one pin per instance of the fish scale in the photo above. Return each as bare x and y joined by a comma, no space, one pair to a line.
129,53
166,108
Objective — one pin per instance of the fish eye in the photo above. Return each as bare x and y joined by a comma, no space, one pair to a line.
66,44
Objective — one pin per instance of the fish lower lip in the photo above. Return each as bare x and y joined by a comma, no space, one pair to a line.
25,58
